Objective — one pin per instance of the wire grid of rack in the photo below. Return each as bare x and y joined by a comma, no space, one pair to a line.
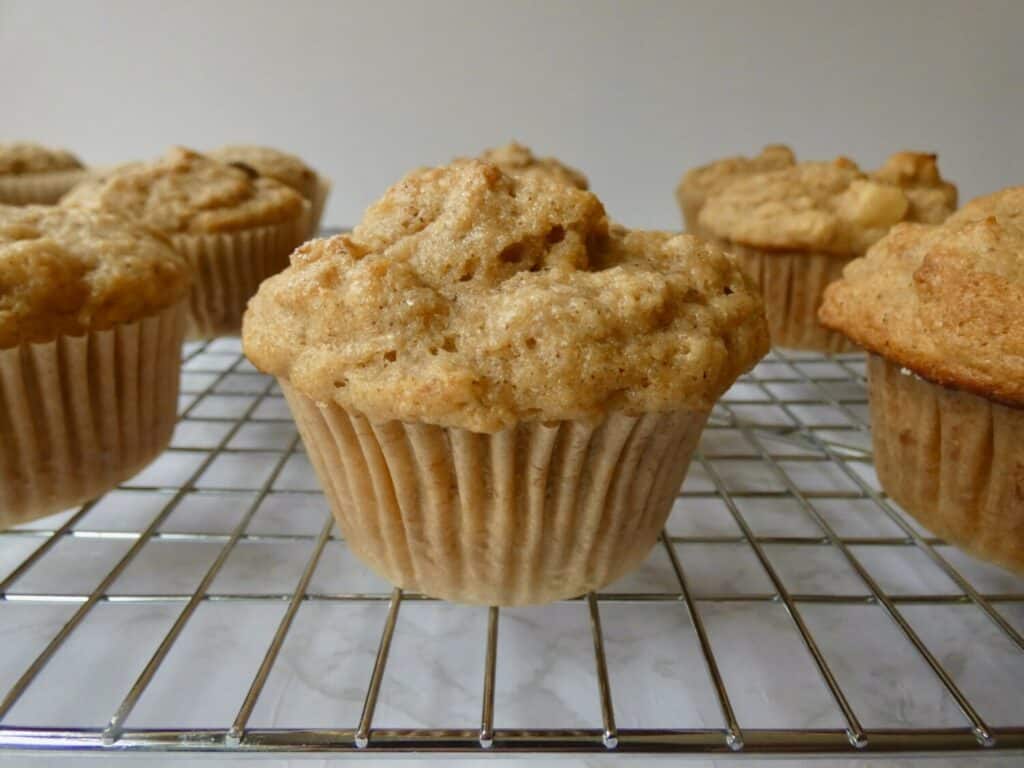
780,485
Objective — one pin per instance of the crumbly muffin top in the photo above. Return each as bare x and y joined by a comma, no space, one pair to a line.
471,298
698,183
830,207
71,271
273,163
515,159
944,301
931,197
186,192
20,157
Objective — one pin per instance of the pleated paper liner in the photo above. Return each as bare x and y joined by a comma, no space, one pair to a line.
229,268
792,285
535,513
953,460
323,191
80,414
38,188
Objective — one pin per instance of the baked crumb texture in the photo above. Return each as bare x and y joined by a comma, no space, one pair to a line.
285,168
794,226
826,207
188,193
23,157
472,298
233,226
944,300
931,198
31,174
70,271
698,184
516,160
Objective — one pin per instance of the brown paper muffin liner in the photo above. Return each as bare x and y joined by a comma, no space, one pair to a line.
229,268
323,190
80,414
38,188
792,285
535,513
953,460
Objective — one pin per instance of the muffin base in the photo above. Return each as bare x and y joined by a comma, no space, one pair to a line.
792,285
82,413
953,460
38,188
229,268
535,513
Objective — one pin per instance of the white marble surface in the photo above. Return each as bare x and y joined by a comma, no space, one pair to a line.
546,674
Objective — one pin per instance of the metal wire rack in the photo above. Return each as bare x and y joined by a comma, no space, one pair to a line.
209,604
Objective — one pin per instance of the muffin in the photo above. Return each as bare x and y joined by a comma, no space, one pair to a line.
498,392
234,226
698,183
516,160
938,307
285,168
931,198
795,229
92,314
34,174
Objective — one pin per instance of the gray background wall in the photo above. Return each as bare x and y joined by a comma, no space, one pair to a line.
631,92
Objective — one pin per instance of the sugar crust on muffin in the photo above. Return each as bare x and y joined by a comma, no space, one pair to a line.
25,157
187,192
516,159
698,183
932,199
826,207
472,298
944,301
284,167
71,271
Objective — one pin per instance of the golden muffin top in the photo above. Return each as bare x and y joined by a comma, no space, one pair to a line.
20,157
472,298
186,192
944,300
698,183
273,163
71,271
515,159
931,197
830,207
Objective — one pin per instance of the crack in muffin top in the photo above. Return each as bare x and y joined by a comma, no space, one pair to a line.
286,168
944,300
829,207
71,271
185,192
471,298
21,157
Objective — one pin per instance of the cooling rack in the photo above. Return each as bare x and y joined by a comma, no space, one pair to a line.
210,605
